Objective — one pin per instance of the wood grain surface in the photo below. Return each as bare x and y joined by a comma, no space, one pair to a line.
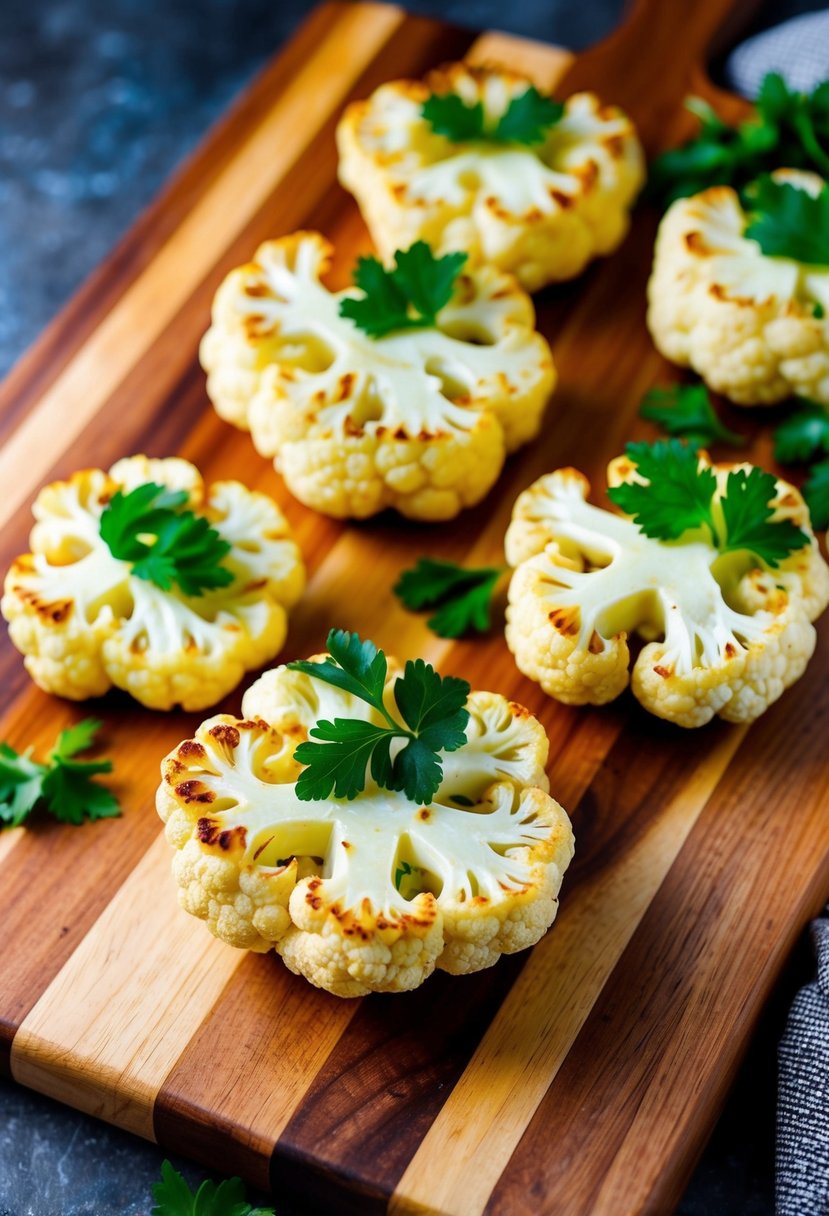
581,1077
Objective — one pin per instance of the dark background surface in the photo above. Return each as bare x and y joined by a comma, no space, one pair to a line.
99,101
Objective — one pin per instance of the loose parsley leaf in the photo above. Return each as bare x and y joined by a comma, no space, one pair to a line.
790,129
803,435
685,410
677,496
173,1197
164,543
463,597
434,721
526,120
790,223
746,515
816,493
409,296
449,115
64,786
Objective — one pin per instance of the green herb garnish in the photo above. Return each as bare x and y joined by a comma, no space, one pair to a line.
165,544
409,296
526,120
173,1197
816,493
678,497
803,435
789,222
685,410
463,597
433,720
790,129
63,786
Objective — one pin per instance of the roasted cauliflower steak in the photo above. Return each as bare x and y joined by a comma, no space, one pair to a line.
85,623
368,895
754,327
723,634
418,420
540,211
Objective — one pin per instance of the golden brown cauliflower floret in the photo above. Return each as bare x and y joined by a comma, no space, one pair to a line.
418,420
86,623
724,634
369,895
539,211
746,322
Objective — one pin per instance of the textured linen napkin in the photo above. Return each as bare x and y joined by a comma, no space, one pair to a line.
799,50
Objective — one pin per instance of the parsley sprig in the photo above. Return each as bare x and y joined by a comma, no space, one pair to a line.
803,435
409,296
816,493
526,120
173,1197
165,544
800,439
433,720
679,497
462,596
685,410
790,129
63,786
789,222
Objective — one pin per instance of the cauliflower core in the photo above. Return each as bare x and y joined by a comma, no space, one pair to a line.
723,636
419,420
369,895
86,623
540,211
744,321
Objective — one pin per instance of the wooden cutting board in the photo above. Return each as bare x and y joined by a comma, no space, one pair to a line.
580,1077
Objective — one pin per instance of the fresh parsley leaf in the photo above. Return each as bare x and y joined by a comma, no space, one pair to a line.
355,666
790,223
789,128
339,753
685,410
165,544
803,435
526,120
679,497
449,115
21,785
746,515
463,597
64,786
339,763
816,493
409,296
678,494
432,705
173,1197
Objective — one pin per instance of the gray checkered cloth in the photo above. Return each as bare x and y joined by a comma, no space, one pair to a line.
799,50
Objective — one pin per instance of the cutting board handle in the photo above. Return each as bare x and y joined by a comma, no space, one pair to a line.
681,35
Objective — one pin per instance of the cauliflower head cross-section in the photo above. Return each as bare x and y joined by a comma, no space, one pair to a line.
368,895
723,633
418,420
755,327
540,211
85,623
